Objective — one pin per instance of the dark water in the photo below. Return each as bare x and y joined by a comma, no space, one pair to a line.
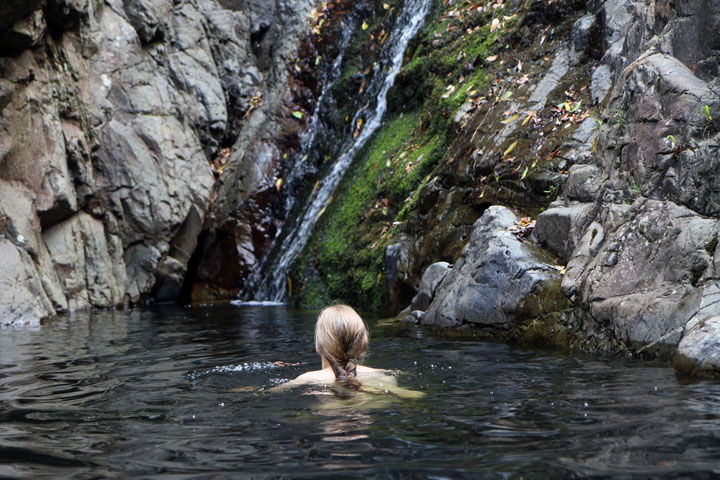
148,395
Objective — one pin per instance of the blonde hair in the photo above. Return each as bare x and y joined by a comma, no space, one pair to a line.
341,337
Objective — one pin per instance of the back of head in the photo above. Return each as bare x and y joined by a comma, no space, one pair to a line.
341,338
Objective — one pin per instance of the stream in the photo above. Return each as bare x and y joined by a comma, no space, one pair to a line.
271,283
184,393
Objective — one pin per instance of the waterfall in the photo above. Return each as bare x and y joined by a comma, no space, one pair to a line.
271,284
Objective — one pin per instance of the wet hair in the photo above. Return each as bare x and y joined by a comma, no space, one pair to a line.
341,337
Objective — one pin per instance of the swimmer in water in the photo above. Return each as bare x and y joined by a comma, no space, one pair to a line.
341,340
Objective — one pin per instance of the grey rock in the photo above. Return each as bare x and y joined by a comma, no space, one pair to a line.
145,17
494,274
86,262
649,275
560,66
133,98
699,350
22,298
431,278
601,83
583,183
560,228
399,257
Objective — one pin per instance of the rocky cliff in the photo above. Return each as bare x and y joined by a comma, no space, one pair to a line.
121,122
596,122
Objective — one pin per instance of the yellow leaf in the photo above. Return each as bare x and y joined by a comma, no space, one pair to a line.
378,278
511,119
289,285
278,184
527,119
594,144
510,148
365,25
320,213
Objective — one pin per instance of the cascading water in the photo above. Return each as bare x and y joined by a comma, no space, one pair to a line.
271,283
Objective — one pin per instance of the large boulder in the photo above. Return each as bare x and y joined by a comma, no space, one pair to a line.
493,277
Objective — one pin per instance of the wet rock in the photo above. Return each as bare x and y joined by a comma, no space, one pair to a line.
699,350
647,279
89,263
22,298
493,276
398,268
431,278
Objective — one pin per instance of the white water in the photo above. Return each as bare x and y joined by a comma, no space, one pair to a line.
408,24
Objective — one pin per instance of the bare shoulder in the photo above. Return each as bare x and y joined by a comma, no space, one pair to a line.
362,369
315,377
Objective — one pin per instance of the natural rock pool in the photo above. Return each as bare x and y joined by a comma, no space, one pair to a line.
150,394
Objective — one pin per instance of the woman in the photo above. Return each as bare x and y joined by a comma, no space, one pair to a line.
341,340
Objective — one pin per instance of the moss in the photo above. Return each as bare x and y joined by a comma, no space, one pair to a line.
344,259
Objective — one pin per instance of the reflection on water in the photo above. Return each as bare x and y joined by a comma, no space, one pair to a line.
184,393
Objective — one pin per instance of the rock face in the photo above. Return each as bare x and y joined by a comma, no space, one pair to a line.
638,224
494,275
111,115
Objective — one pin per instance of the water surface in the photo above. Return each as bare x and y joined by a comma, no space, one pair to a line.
150,394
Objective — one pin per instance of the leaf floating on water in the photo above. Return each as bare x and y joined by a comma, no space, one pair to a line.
510,148
511,119
297,115
365,25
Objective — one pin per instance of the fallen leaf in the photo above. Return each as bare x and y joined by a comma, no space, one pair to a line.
524,174
530,115
511,119
278,184
495,24
448,91
510,148
365,25
506,95
297,115
491,58
386,6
